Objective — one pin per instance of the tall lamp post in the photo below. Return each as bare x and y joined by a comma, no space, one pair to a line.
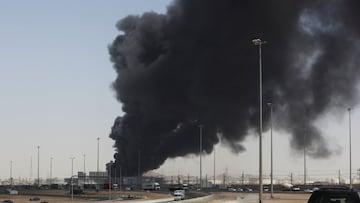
38,171
305,159
271,149
110,179
97,170
200,135
349,109
51,159
71,180
258,42
139,166
84,171
11,178
214,168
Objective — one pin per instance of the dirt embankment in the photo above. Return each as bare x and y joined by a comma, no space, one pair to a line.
58,196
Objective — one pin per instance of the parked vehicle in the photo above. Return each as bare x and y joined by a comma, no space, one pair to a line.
13,192
179,195
335,195
151,186
34,198
7,201
249,189
231,189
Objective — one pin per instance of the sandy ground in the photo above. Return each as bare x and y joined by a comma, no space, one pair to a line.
253,197
218,197
58,196
287,198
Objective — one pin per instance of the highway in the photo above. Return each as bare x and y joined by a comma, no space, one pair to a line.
215,198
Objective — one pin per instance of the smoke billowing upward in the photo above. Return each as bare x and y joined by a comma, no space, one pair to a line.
196,65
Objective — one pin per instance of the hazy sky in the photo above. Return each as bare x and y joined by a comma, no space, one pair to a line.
55,78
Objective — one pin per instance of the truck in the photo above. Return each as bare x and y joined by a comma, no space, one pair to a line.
151,186
179,195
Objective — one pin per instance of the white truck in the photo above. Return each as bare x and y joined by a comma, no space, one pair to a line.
151,186
179,195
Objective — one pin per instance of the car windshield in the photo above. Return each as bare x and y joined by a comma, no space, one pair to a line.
336,198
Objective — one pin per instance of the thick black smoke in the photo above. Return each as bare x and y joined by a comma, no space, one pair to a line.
196,65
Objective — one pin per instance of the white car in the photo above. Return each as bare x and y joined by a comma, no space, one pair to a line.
179,195
295,188
249,189
308,190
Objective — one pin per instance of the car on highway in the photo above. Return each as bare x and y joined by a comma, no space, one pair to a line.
335,195
179,195
239,189
7,201
308,190
295,188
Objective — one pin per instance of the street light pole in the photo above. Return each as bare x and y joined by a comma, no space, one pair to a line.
110,180
11,178
84,171
305,159
97,171
50,171
38,171
200,126
259,42
98,155
139,166
71,179
271,153
84,162
349,109
214,168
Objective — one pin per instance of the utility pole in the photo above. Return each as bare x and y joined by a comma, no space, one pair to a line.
259,42
214,169
50,171
120,178
97,171
110,181
38,171
139,162
84,163
339,178
84,171
71,179
31,168
206,180
11,178
304,159
200,135
349,109
242,178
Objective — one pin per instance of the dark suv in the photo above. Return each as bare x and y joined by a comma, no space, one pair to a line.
335,195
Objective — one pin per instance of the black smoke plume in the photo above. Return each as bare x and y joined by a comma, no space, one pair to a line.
196,65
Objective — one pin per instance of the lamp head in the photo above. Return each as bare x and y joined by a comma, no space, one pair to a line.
258,41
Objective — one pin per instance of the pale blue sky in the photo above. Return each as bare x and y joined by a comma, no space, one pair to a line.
55,78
